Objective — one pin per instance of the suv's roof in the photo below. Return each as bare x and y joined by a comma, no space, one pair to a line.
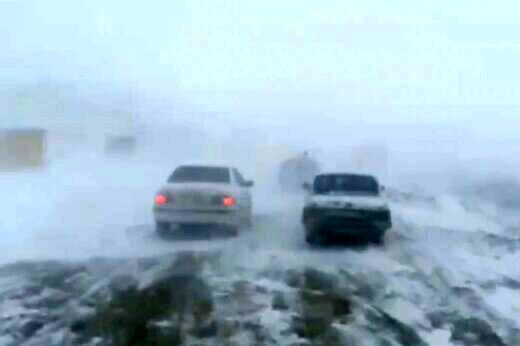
361,175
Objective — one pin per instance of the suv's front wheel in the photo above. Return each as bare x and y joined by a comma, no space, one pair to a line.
313,236
377,238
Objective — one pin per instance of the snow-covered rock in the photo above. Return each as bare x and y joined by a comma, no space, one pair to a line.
432,283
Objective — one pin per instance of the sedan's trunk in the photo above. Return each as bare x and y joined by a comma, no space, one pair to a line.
196,195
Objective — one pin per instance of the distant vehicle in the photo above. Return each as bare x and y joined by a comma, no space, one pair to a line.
198,195
120,144
345,204
296,171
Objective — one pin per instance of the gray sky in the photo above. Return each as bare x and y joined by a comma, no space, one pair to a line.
370,63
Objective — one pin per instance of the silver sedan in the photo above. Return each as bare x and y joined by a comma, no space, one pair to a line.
204,196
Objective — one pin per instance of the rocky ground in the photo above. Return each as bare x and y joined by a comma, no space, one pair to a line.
436,281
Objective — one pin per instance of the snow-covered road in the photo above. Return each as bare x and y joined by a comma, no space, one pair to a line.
440,256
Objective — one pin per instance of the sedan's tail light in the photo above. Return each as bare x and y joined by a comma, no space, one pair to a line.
228,201
161,199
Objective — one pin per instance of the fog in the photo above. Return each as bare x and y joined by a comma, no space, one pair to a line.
195,81
100,100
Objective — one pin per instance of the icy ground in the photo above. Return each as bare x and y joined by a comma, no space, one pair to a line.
447,274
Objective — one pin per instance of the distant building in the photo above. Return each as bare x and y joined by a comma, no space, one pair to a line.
74,119
22,148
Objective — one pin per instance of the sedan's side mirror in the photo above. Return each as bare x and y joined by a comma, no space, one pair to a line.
306,186
249,183
382,188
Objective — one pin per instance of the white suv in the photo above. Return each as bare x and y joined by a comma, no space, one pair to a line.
345,204
204,196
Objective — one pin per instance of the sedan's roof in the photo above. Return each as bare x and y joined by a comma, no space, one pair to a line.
205,164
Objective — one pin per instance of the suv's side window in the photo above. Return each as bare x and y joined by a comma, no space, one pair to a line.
238,177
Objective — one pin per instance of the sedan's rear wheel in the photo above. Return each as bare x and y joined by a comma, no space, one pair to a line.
233,231
162,228
249,219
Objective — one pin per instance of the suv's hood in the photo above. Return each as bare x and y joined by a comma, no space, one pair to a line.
342,201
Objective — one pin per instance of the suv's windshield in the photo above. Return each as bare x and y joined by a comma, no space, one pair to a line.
200,174
346,184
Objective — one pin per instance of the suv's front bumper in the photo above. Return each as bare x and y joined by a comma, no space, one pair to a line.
347,221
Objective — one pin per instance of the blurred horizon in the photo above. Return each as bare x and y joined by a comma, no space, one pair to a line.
436,83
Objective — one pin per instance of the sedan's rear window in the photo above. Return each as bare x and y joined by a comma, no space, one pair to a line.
200,174
346,183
